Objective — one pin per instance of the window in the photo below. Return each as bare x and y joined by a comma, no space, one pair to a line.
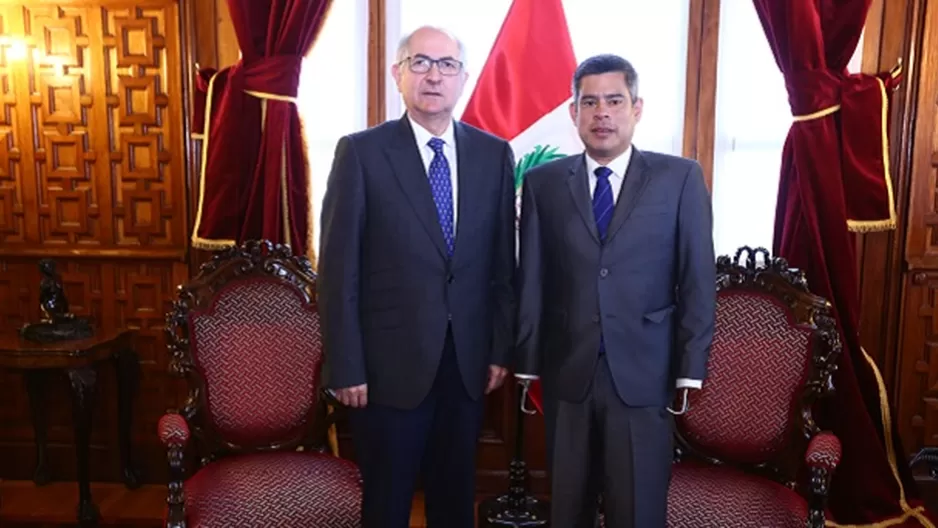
329,110
655,43
752,122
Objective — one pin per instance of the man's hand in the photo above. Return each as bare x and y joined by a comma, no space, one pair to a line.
356,396
496,378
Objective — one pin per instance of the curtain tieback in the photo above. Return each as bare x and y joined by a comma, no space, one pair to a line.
271,96
816,115
274,78
821,86
862,101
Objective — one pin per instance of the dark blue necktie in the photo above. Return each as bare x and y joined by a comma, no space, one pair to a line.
603,204
441,185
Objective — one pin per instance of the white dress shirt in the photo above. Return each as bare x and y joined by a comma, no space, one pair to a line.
423,137
618,166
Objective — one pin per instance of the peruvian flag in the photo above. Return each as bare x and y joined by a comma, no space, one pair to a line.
524,91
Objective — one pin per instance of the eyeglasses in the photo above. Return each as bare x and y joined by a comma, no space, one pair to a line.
422,64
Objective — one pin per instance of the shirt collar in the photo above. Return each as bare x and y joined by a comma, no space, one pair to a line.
618,165
423,136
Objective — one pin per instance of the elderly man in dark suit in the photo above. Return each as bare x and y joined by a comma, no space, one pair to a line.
415,268
616,304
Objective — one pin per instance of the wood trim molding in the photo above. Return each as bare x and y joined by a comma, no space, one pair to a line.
893,31
377,67
701,84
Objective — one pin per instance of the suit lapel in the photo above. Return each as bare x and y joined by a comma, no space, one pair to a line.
636,178
579,187
468,200
408,168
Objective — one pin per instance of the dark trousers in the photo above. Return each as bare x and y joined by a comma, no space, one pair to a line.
435,441
602,446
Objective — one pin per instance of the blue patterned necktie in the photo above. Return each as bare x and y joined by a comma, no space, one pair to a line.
603,203
441,185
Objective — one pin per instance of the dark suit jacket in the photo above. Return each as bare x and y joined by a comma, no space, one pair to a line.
388,290
650,289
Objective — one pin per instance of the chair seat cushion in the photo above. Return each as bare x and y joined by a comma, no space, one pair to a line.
720,497
284,489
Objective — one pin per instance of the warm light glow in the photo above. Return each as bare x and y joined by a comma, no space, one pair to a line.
16,49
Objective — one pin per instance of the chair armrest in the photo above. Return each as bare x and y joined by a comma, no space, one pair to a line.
822,457
173,430
330,398
823,452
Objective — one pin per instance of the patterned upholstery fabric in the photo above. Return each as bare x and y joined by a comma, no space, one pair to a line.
758,364
823,451
722,497
254,399
286,490
173,430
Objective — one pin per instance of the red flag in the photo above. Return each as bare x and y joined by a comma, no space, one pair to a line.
523,90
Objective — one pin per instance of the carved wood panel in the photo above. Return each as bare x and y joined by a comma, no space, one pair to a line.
91,128
12,206
918,363
92,173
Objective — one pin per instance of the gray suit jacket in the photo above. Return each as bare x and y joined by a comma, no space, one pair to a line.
650,289
387,289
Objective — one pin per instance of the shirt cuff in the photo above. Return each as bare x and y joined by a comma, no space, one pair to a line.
526,376
685,383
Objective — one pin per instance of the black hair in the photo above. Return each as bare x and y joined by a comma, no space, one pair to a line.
606,63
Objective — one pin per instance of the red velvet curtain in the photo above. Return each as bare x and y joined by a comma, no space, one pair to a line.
254,181
834,180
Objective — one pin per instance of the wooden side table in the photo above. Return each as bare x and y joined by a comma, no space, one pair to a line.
79,360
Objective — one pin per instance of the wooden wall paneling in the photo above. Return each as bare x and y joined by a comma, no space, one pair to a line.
921,248
918,362
701,84
889,36
92,167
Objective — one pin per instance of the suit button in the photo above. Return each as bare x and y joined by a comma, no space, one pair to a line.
596,318
603,272
449,317
450,279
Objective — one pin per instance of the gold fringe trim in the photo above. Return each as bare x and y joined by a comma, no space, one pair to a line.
888,224
886,416
197,241
284,194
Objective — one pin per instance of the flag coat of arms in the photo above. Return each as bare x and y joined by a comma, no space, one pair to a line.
525,88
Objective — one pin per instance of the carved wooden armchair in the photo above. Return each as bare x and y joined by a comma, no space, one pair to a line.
748,450
245,334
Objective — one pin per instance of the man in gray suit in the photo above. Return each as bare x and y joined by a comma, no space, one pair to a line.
616,304
415,269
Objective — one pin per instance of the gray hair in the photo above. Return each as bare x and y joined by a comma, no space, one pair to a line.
403,46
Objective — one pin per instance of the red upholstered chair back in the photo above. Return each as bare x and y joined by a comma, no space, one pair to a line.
246,332
773,353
